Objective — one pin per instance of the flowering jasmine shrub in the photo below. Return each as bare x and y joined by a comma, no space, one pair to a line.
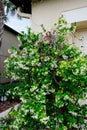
53,79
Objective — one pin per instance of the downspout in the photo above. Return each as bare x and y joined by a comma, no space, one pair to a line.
22,14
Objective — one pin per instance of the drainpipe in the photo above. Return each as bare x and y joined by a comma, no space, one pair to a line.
22,14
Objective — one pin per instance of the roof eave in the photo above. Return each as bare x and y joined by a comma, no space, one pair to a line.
25,5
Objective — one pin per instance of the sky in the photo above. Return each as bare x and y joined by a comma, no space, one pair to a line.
16,23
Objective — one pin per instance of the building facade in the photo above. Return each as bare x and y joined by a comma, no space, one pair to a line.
47,12
9,39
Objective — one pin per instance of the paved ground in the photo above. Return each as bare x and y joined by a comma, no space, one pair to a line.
7,111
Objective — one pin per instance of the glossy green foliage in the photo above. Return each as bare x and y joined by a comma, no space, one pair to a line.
53,80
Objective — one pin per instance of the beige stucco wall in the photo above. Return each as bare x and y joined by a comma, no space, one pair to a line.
81,40
8,39
47,11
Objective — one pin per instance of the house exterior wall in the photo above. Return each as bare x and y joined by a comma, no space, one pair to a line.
46,12
9,39
81,40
